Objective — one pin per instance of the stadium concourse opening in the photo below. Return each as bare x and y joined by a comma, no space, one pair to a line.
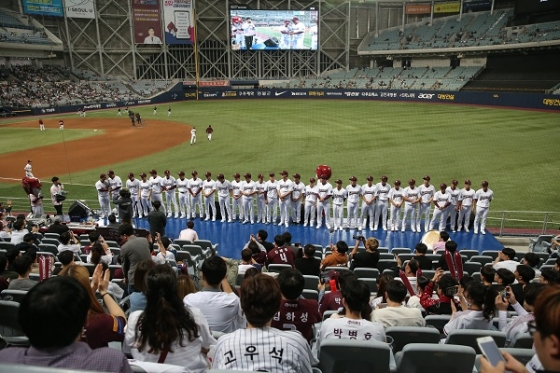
114,141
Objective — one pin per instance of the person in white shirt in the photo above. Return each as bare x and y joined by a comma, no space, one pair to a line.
261,347
339,194
193,135
170,334
310,208
18,232
368,204
189,234
57,189
441,200
286,37
195,189
482,199
183,190
396,314
427,192
285,187
116,185
145,195
224,194
220,307
249,32
352,203
248,189
324,194
271,199
298,33
208,190
260,188
478,312
236,203
297,197
28,169
155,183
411,198
65,243
505,259
313,31
103,187
169,184
164,254
100,253
453,208
382,202
152,38
133,186
396,199
465,206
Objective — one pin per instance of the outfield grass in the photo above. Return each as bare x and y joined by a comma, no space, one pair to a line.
515,150
15,139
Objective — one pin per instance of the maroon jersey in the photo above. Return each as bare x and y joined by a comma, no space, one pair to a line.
299,314
281,255
331,302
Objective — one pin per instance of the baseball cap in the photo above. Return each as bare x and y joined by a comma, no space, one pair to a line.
353,178
143,174
284,173
221,176
247,175
167,172
208,173
153,172
111,172
236,175
485,183
455,182
297,176
411,182
442,186
29,160
102,176
397,182
369,178
181,173
384,178
271,174
312,179
468,182
194,173
426,177
260,176
338,181
130,174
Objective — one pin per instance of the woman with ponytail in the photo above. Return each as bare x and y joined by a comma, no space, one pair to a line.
166,331
480,310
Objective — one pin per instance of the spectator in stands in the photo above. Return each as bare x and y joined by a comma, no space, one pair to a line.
260,347
138,298
524,275
157,219
451,260
166,331
66,258
524,310
37,235
546,334
408,274
262,235
505,259
185,286
308,264
414,301
27,243
504,277
23,265
487,274
4,283
396,314
442,305
440,245
100,252
57,226
189,234
65,243
339,256
420,250
333,300
532,260
550,276
133,251
60,299
216,300
295,312
480,311
113,224
247,262
281,254
382,281
11,256
355,299
93,237
367,259
100,328
258,251
18,232
164,254
5,233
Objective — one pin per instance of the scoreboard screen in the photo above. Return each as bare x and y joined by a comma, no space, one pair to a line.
536,6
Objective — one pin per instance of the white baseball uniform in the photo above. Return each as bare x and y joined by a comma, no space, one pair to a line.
193,136
466,199
28,170
155,182
170,184
224,190
381,205
396,199
285,37
352,205
260,187
116,185
195,189
427,194
338,197
297,39
248,188
134,188
313,32
285,188
103,197
441,201
184,200
324,191
452,208
410,209
236,204
271,201
368,205
310,208
145,191
297,196
209,188
482,199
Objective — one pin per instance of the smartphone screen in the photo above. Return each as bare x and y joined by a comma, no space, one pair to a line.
490,350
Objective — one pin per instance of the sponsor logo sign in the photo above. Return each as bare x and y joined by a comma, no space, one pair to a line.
426,96
79,9
551,102
229,94
213,83
299,93
418,9
446,96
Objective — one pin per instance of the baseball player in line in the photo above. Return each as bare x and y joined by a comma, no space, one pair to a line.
224,194
260,187
441,200
103,186
352,203
411,200
324,194
247,191
208,190
155,182
396,198
310,208
382,202
368,203
133,186
193,136
169,185
145,195
482,199
285,188
195,188
116,185
427,192
298,190
184,201
236,206
271,199
465,206
339,195
453,207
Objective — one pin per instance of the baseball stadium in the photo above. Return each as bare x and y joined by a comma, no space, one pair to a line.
320,123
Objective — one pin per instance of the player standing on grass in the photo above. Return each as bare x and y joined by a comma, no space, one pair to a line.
28,169
41,124
260,187
352,203
396,195
453,207
411,199
339,194
442,200
209,132
169,112
155,110
119,113
236,205
169,185
482,199
133,186
61,124
427,192
465,206
382,202
324,194
368,203
310,209
297,196
138,119
145,195
184,202
271,199
195,188
224,192
193,135
285,187
209,188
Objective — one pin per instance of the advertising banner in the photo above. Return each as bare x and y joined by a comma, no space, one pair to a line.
43,7
418,9
477,5
213,83
147,22
447,8
79,9
178,20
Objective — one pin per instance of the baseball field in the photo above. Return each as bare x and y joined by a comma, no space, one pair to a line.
515,150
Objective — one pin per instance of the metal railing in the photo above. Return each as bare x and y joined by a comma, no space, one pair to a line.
524,222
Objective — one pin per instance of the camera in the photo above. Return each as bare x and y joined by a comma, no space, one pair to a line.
451,291
358,237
